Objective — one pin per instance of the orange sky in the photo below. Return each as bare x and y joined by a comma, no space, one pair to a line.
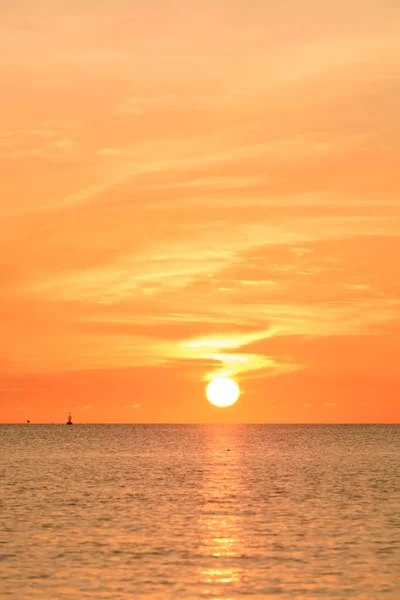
198,187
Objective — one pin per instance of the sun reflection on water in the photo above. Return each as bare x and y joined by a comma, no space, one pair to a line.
220,522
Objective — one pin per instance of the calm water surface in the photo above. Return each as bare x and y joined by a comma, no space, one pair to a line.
143,511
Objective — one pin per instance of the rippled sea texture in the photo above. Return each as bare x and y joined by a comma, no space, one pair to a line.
217,512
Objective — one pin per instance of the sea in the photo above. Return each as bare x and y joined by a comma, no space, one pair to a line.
216,512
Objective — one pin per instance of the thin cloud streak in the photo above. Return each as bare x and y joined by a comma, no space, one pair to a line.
228,188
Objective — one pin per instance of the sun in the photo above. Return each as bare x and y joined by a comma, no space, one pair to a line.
222,392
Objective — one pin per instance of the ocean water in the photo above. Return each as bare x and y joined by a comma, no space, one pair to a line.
199,512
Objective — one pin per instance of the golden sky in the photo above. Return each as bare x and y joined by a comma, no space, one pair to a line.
190,188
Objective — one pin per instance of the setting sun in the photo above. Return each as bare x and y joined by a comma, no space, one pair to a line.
222,392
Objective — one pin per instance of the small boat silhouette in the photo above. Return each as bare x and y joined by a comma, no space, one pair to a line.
28,421
69,422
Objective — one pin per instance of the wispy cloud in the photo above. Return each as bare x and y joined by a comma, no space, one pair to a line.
222,197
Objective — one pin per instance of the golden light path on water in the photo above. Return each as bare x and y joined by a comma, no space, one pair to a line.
219,522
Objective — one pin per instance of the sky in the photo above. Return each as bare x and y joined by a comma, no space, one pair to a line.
192,189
